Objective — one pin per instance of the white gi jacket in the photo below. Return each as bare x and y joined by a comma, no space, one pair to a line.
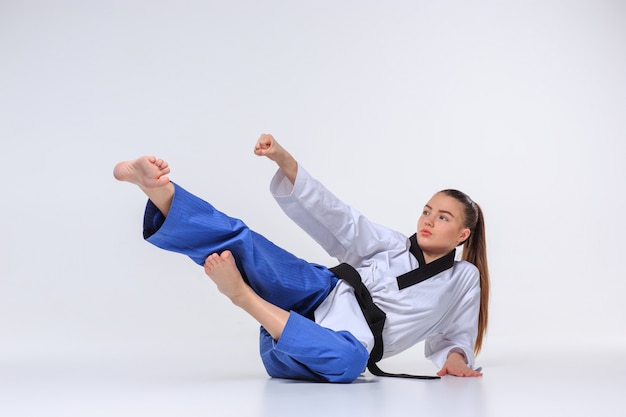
442,310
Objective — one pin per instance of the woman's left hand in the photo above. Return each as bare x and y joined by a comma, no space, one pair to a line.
455,365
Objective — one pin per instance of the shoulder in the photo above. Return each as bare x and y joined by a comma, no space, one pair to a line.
467,272
465,266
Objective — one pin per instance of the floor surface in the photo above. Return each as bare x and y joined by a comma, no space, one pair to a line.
554,382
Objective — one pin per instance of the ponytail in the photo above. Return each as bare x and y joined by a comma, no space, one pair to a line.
475,252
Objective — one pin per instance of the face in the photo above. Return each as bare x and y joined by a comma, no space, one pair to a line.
440,227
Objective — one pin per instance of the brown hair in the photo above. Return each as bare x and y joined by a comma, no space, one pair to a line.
475,252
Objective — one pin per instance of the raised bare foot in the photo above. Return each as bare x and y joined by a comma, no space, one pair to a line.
223,270
147,172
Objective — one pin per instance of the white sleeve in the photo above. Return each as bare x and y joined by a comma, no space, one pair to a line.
460,336
340,229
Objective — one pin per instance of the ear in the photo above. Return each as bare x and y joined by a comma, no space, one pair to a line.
465,234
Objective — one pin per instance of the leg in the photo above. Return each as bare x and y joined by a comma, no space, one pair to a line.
311,352
301,349
149,173
196,229
223,271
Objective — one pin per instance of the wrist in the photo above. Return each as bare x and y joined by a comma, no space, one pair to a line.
457,354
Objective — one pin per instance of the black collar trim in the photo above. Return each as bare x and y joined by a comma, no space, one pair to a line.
425,270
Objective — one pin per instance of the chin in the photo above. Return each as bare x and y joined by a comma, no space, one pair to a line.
428,245
423,242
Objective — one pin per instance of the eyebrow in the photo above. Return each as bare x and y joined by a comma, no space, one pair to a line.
441,211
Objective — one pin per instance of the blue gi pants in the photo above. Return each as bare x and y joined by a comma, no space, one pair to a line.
305,350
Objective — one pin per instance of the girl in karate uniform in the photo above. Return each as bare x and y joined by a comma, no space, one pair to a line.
312,325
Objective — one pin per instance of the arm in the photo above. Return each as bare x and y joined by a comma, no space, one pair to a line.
452,350
340,229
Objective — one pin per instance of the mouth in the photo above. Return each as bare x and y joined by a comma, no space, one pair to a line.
425,232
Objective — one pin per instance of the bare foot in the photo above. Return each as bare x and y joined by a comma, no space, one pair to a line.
223,270
147,172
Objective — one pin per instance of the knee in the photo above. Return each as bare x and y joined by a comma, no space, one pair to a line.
349,365
342,363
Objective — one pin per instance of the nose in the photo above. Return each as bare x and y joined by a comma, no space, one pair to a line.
428,222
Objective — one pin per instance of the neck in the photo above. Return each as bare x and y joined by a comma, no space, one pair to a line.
430,257
427,256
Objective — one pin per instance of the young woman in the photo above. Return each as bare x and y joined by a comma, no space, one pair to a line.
324,324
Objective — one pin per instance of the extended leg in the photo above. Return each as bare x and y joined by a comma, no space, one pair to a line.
195,228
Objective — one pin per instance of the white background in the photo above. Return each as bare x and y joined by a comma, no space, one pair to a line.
520,104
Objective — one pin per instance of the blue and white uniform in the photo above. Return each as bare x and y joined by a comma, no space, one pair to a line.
326,337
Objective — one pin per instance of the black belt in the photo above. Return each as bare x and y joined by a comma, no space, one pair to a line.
374,316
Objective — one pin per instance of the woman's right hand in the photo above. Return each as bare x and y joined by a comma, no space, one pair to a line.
267,146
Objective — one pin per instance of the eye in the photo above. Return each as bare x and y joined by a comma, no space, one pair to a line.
425,213
444,218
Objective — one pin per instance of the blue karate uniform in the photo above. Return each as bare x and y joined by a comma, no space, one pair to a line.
305,350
